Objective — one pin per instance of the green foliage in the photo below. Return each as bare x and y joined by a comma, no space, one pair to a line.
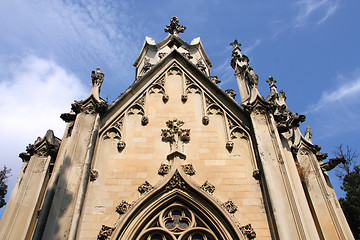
351,203
3,186
349,174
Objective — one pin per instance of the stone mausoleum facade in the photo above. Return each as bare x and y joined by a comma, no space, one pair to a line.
176,157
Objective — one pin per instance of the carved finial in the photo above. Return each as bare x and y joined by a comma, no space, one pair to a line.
97,77
308,133
271,81
174,27
235,44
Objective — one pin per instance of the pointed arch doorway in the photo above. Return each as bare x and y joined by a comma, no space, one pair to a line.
177,209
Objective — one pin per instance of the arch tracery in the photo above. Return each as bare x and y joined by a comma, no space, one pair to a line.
181,211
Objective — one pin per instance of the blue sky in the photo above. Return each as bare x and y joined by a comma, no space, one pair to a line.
49,48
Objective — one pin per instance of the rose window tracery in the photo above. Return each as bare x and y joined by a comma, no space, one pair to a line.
177,222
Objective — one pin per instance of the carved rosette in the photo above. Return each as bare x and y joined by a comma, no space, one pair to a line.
230,206
164,169
188,169
208,187
248,231
145,187
123,207
94,174
105,232
175,182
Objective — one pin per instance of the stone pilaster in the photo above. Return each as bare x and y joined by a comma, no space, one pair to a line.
291,219
21,214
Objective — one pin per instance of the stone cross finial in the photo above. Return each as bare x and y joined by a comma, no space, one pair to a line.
235,44
271,81
174,27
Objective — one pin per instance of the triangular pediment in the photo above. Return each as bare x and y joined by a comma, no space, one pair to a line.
194,81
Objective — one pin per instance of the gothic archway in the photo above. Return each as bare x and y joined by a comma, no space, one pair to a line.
177,209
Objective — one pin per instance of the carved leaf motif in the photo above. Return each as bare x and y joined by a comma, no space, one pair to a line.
188,169
145,187
105,232
248,231
230,206
175,182
208,187
123,207
93,175
164,169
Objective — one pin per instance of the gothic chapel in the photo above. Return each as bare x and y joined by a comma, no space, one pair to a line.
176,157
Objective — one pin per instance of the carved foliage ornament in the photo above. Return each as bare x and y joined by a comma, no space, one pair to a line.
188,169
145,187
123,207
208,187
230,206
174,27
175,182
105,232
248,231
164,169
94,174
175,135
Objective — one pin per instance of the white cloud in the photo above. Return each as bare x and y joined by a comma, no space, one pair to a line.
309,8
248,49
337,111
34,92
347,91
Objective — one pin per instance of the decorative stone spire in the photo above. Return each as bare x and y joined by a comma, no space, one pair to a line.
174,27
